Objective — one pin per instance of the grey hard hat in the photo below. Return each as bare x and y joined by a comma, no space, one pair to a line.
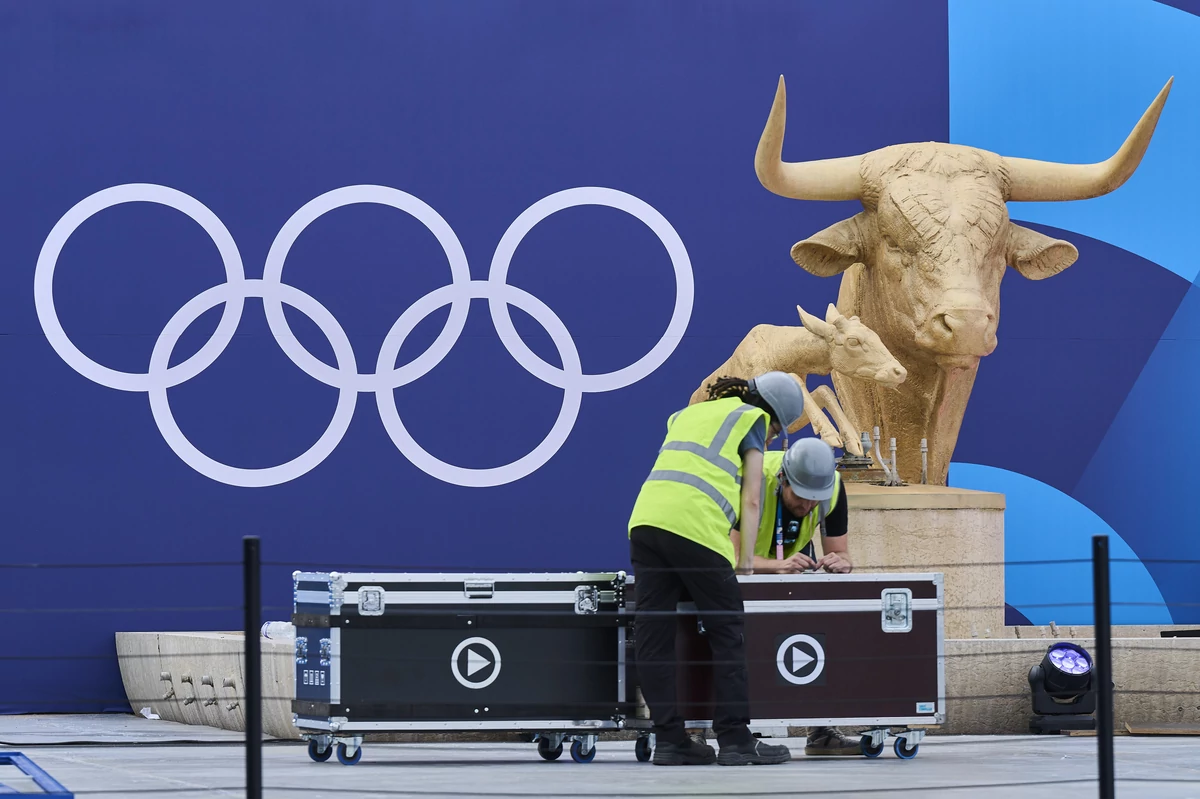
782,393
809,466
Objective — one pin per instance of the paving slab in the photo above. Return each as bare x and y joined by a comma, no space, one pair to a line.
105,728
975,766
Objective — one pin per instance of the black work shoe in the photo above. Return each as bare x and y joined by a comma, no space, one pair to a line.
755,753
830,741
688,753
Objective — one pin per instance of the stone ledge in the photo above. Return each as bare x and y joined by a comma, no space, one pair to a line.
864,496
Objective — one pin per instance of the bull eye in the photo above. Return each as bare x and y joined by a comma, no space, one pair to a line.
853,342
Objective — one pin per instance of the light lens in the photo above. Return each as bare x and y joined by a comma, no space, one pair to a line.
1070,660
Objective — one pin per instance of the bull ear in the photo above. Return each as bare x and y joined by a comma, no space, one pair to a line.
814,325
1036,256
832,251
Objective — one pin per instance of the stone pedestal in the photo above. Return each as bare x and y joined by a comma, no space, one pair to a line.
921,528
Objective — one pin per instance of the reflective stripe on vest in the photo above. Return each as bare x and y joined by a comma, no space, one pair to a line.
712,453
692,480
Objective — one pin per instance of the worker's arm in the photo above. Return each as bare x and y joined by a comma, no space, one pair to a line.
837,554
793,565
836,545
752,466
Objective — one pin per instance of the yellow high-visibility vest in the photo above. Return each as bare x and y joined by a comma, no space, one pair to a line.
695,488
764,545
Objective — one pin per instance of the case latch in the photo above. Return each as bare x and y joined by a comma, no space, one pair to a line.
301,651
587,599
897,610
371,600
479,589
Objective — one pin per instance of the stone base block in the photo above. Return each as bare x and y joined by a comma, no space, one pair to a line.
987,691
200,678
921,528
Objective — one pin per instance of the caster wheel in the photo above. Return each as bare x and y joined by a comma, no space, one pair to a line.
345,759
864,744
546,752
318,754
577,753
903,750
642,750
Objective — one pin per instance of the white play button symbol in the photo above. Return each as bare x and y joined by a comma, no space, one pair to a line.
800,659
474,662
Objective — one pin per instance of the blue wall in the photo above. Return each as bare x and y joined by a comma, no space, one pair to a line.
480,110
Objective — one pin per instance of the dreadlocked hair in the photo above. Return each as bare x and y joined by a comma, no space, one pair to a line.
730,387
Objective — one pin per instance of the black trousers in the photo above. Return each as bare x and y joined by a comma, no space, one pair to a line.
666,565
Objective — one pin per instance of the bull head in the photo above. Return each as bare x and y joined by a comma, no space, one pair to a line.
928,251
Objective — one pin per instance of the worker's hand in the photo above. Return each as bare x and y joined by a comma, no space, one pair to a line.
797,563
835,563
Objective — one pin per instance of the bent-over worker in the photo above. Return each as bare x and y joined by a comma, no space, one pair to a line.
803,494
706,482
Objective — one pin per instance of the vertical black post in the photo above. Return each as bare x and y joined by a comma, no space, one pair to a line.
252,589
1103,671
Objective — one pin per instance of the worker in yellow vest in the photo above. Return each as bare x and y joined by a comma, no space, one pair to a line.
803,493
706,483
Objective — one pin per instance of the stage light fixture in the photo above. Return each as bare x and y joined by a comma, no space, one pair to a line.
1063,690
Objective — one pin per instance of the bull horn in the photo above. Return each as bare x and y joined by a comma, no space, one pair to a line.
830,179
1036,181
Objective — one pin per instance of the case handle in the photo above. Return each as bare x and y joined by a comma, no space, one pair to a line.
479,589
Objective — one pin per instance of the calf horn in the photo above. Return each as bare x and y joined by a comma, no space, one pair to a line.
830,179
1047,180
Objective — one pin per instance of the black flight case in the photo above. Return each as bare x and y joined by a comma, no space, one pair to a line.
552,655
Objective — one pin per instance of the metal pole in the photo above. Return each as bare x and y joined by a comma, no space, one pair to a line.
924,461
252,590
1104,707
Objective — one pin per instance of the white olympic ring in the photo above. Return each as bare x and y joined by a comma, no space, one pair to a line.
345,376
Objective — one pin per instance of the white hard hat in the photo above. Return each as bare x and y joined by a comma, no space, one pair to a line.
782,393
809,466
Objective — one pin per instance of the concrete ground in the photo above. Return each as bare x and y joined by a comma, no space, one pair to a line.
139,760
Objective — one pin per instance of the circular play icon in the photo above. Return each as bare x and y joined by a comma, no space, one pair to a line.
800,659
475,663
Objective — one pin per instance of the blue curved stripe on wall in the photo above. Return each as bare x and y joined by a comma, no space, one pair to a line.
1069,353
1142,480
1042,523
1066,81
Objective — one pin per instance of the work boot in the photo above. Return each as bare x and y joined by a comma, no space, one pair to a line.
830,741
688,753
754,753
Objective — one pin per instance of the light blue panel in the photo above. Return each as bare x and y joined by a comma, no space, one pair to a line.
1041,523
1066,80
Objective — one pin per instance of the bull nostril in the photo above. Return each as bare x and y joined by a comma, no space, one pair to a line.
898,371
941,324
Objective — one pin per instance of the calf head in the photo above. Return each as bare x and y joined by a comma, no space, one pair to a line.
854,349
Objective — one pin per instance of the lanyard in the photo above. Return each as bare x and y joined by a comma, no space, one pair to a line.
779,501
779,523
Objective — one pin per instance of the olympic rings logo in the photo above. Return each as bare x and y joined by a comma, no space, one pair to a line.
345,376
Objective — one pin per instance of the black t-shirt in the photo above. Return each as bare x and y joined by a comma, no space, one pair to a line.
836,523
